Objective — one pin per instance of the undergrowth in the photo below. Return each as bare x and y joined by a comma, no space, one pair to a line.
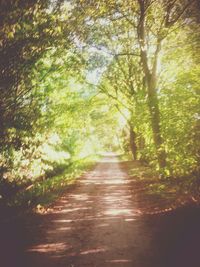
43,192
183,189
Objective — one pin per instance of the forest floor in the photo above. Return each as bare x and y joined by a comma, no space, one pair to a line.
108,219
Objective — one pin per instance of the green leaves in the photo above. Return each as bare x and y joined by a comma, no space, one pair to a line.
77,72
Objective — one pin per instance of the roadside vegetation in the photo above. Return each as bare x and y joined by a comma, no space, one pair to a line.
82,77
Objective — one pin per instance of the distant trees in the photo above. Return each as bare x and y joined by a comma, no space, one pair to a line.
69,68
142,32
50,117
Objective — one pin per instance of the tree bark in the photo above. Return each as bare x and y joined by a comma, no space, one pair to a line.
150,76
155,123
133,144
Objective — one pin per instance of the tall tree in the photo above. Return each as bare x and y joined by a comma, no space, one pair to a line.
148,22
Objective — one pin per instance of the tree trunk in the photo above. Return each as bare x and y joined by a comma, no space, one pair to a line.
150,76
133,145
155,123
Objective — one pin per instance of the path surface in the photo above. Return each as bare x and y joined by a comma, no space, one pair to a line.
95,225
98,224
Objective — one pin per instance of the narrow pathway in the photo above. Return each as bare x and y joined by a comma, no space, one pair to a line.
98,224
94,225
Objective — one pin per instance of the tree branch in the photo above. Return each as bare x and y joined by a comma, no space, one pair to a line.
172,22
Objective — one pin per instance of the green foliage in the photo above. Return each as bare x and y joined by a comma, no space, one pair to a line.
45,191
180,125
76,80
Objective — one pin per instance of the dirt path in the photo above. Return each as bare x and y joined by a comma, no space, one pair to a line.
95,224
98,224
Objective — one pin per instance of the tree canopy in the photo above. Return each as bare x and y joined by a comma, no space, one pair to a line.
80,77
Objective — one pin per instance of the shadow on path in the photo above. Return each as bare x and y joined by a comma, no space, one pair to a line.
98,224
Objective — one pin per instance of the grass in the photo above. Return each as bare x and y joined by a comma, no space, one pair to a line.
43,193
161,193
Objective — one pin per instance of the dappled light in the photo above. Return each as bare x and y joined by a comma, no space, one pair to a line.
99,133
49,248
119,261
98,222
101,203
78,87
115,212
91,251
